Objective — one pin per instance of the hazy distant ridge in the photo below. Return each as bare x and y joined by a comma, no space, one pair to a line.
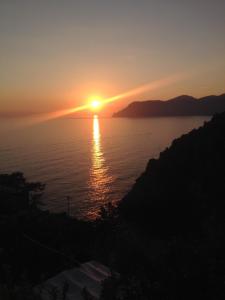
180,106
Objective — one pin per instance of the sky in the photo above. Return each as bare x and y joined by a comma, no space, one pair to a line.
57,54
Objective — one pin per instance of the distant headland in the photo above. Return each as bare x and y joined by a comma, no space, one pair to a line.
183,105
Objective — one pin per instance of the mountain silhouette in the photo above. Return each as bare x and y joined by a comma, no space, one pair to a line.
183,105
184,189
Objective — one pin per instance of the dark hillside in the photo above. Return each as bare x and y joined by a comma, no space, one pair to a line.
174,220
183,190
180,106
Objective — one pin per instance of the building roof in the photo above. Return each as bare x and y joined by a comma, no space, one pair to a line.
74,282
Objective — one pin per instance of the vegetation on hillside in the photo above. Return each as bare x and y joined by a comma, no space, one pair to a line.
36,244
178,206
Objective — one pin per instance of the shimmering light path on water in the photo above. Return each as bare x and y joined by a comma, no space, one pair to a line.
100,180
93,161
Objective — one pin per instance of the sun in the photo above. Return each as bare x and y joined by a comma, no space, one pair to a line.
95,103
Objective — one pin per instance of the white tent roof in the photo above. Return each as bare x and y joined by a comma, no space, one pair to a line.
88,276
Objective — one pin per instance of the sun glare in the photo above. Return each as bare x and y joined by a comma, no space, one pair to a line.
95,103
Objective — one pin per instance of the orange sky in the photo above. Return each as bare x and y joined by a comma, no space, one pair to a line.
56,54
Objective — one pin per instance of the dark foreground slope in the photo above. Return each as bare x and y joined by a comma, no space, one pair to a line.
179,106
173,234
183,190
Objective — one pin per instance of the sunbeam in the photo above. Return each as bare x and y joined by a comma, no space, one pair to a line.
139,90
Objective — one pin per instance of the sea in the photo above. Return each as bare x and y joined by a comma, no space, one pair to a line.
86,163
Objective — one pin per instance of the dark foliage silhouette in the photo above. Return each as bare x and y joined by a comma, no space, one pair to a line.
35,244
18,194
183,190
175,219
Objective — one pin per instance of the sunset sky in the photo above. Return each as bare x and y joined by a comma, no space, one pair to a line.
57,54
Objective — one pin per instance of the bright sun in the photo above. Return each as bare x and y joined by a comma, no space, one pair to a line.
95,103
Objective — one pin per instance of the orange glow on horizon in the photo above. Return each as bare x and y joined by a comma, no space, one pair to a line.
96,103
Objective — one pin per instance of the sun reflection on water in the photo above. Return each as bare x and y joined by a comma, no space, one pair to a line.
99,177
97,155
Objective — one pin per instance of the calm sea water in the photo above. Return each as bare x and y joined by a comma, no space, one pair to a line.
93,161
